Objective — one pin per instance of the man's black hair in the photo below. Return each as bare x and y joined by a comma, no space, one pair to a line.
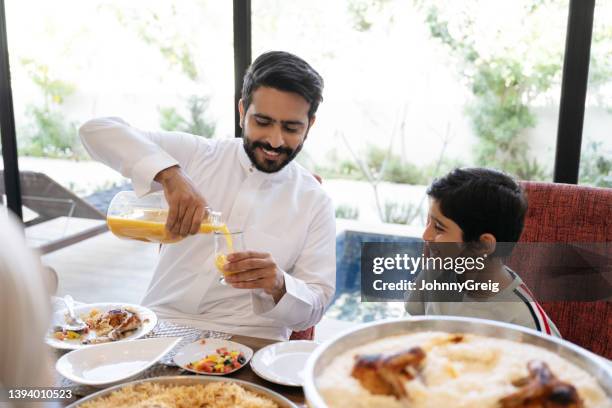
285,72
481,201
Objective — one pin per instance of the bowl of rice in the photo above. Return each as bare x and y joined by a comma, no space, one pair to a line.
185,392
443,361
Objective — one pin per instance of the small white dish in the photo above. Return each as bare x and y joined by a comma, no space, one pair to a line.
198,350
148,317
283,363
106,364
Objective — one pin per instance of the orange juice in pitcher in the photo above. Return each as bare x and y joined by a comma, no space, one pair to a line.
144,219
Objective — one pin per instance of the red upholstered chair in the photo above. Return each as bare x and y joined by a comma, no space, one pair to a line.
569,214
307,334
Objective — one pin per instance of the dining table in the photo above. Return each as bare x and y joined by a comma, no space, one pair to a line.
166,367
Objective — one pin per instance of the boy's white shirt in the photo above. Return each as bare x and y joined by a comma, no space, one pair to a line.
286,214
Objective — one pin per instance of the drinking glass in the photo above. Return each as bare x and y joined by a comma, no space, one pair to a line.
225,244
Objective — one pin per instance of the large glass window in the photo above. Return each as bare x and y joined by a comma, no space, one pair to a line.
596,152
157,64
413,89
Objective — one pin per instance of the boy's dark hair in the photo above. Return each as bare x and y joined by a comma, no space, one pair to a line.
481,201
285,72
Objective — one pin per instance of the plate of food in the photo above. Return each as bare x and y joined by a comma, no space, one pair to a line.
190,391
101,323
213,356
444,361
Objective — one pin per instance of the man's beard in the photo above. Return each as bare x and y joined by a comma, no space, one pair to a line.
269,166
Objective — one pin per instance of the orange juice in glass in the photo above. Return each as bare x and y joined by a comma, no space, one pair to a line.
226,242
144,218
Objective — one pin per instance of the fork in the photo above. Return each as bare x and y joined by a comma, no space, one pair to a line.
73,322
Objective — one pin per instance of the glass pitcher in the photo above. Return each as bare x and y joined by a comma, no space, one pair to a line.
144,218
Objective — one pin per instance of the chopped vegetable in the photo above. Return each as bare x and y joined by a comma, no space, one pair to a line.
73,335
66,335
59,335
223,361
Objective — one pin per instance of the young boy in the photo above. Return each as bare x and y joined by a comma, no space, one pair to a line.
475,213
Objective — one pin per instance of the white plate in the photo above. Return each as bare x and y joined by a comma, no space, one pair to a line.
148,317
284,362
198,350
105,364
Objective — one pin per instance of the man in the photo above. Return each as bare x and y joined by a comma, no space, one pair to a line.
287,277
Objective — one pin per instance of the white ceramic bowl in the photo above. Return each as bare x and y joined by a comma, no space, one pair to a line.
106,364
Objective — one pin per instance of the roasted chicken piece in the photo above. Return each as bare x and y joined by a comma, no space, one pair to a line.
129,323
366,370
401,367
541,389
115,317
385,375
107,320
114,325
